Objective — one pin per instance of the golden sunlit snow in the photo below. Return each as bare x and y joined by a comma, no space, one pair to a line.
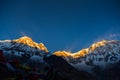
83,52
28,41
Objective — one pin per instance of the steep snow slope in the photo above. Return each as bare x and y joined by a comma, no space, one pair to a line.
101,54
24,47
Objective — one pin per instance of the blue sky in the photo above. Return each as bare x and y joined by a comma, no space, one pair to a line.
60,24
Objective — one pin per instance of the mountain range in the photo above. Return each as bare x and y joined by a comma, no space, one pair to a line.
99,57
100,54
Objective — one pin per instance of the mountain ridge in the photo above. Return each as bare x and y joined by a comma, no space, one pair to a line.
99,58
83,52
99,54
28,41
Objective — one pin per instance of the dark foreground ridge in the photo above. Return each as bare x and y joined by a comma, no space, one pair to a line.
56,69
64,71
61,70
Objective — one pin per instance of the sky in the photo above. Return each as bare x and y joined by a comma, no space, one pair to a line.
60,24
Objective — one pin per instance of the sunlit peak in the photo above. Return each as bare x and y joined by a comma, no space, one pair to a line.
28,41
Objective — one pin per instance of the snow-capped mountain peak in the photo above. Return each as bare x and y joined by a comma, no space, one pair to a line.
98,47
100,54
23,47
28,41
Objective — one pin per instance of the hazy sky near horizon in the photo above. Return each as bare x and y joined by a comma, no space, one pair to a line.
60,24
